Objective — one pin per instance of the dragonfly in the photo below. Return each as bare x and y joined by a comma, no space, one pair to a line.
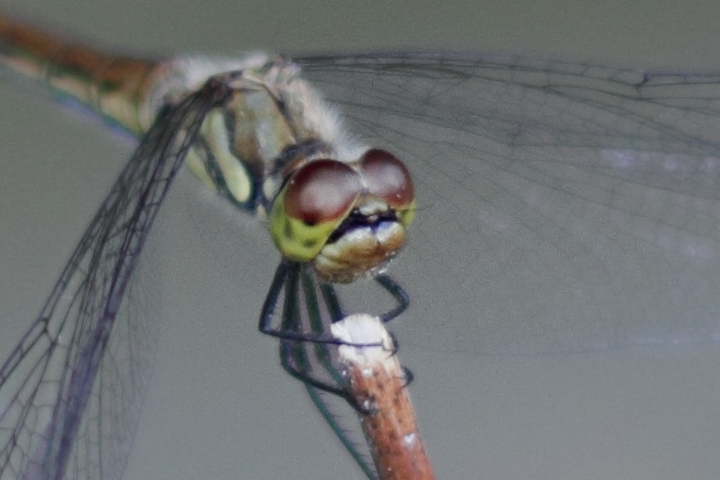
612,169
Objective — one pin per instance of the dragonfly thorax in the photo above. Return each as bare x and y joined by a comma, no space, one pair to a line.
274,147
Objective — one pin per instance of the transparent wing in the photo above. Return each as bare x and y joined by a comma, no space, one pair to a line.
561,207
72,389
344,424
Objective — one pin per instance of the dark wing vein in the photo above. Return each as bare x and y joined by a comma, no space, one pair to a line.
567,207
69,408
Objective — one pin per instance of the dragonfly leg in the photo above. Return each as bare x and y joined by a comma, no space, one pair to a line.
288,359
286,278
305,352
397,292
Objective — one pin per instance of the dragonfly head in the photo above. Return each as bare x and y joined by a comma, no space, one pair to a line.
348,219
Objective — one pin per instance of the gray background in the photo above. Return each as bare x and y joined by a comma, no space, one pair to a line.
219,406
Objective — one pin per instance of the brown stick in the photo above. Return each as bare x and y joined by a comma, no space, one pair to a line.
377,382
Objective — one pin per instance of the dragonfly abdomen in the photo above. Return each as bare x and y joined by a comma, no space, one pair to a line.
116,87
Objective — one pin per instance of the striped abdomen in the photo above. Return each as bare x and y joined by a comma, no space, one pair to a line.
119,88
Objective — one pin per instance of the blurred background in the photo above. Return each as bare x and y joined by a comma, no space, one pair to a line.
219,406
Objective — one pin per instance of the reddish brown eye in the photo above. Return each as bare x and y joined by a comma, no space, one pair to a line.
387,177
322,190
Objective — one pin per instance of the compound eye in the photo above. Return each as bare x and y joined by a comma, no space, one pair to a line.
322,191
387,177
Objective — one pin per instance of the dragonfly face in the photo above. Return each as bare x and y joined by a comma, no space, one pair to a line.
348,219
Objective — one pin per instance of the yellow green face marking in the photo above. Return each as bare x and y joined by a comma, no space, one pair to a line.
313,203
328,202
